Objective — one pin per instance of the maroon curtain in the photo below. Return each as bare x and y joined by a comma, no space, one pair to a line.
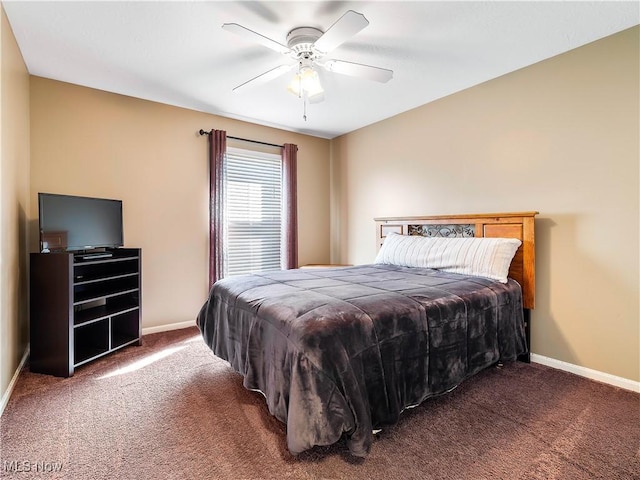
290,204
217,149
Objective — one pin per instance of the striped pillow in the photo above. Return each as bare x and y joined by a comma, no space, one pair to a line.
480,257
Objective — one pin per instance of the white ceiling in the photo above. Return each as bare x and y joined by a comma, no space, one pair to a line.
177,53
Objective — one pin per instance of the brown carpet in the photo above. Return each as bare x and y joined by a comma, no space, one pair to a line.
171,409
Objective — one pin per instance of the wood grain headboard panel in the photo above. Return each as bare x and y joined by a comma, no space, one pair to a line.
518,225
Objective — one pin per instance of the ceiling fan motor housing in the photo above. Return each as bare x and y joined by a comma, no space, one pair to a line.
300,40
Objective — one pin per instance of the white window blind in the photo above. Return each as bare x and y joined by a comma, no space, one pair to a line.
252,212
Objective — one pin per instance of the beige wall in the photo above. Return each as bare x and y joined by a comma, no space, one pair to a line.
93,143
560,137
14,204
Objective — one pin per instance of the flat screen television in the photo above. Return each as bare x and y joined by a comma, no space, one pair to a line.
71,223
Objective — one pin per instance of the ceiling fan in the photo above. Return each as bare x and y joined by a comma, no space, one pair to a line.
309,46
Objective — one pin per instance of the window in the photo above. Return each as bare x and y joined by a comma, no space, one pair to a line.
247,168
252,212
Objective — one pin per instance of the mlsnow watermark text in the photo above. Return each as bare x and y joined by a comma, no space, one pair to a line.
28,466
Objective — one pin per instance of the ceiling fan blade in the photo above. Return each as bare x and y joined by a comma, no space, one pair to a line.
256,37
265,77
345,27
359,70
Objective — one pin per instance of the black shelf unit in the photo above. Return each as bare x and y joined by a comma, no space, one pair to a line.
83,308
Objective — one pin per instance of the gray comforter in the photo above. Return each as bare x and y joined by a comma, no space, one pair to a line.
343,351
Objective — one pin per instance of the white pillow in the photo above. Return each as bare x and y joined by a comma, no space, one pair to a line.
480,257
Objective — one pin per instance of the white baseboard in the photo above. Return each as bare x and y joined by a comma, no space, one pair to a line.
587,372
169,326
5,398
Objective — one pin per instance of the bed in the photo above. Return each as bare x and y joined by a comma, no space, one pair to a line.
341,352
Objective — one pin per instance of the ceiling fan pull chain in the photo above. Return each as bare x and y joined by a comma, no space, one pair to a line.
304,107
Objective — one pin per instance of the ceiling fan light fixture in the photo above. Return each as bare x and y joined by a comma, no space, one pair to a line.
306,83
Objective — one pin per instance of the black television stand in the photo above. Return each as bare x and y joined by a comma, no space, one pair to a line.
83,308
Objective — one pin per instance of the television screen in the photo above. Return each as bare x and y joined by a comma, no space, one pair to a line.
79,223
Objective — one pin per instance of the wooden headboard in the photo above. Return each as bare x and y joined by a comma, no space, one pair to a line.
518,225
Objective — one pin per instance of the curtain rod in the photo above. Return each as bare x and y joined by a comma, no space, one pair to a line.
202,132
